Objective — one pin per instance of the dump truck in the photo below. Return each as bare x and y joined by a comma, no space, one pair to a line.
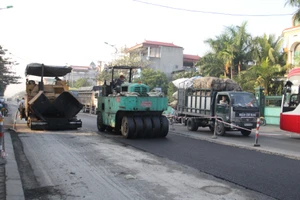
49,105
88,97
201,106
131,109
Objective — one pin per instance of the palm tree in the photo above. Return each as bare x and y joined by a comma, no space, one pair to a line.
210,65
266,52
231,48
267,47
294,3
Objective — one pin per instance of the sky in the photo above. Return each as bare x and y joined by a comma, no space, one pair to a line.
74,32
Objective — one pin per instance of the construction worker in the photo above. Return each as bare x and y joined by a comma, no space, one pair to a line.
120,81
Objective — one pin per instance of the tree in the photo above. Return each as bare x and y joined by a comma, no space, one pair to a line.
82,82
267,67
294,3
210,65
124,58
230,50
132,58
7,76
105,75
154,79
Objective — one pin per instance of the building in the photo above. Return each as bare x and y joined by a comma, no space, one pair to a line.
165,57
86,72
291,37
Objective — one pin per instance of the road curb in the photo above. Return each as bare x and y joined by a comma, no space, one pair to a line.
14,189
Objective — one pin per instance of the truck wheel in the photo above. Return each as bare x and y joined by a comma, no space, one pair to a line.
101,127
220,129
245,132
211,129
192,125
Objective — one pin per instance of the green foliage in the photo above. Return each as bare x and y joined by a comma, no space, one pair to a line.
82,82
171,90
188,74
130,59
233,50
7,76
154,79
104,76
210,65
229,54
294,3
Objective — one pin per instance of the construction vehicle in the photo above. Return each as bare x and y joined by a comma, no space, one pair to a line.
88,97
202,107
131,109
49,105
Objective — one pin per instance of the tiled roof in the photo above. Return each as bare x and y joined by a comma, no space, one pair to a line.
290,28
191,58
148,43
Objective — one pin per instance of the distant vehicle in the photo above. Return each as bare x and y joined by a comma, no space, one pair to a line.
290,109
131,109
88,97
49,106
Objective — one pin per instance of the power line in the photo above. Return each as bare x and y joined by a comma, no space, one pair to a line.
210,12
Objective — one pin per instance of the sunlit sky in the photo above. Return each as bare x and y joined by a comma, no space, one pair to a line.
74,32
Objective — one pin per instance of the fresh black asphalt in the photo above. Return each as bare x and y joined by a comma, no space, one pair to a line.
272,175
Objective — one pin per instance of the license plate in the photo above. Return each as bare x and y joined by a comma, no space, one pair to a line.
247,114
247,124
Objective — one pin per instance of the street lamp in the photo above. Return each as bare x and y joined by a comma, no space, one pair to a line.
7,7
114,46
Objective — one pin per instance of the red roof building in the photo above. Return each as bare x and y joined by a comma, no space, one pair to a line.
148,43
190,58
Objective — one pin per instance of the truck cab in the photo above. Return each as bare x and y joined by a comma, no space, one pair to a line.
240,113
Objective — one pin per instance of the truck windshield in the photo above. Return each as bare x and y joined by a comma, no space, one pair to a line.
244,100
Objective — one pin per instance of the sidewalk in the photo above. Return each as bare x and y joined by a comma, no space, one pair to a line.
12,181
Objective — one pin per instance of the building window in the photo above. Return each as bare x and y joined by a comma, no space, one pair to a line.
297,55
154,52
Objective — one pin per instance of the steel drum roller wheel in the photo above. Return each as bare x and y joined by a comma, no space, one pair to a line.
101,127
164,126
128,127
